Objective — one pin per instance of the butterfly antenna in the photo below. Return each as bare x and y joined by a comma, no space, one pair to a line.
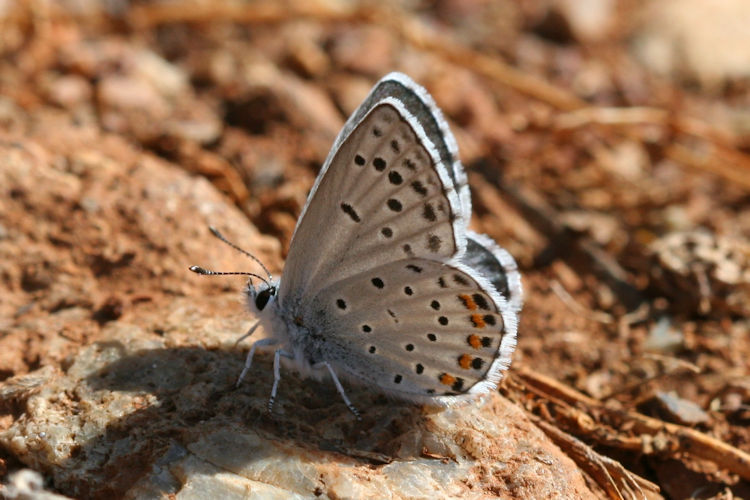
209,272
216,233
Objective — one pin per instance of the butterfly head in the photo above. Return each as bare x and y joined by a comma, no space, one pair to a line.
260,298
257,298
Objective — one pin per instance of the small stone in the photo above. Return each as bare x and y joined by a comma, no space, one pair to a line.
679,410
696,40
69,91
27,484
702,272
663,337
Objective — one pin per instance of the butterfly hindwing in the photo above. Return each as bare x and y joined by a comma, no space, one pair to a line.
429,328
497,265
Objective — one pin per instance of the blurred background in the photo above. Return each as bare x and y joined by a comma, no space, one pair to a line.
607,144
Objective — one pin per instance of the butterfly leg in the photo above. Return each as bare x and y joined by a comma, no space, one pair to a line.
277,374
249,332
339,387
249,359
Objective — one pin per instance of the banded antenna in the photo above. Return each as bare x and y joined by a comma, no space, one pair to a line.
208,272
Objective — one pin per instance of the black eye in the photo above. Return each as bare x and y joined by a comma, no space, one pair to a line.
263,297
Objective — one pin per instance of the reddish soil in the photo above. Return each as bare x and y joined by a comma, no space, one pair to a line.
581,160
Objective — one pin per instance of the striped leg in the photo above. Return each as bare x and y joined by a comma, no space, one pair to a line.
249,359
277,374
339,387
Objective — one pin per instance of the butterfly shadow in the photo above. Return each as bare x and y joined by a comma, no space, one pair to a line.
186,401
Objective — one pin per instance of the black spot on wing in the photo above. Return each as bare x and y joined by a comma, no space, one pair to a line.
419,188
481,301
394,205
460,280
349,210
392,315
433,243
429,213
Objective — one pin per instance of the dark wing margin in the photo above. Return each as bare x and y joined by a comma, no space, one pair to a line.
496,265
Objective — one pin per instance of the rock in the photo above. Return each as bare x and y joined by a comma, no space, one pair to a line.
148,406
676,409
703,272
664,337
69,91
27,484
148,97
587,20
91,221
138,412
696,40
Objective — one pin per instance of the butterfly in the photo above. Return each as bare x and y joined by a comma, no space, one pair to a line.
384,285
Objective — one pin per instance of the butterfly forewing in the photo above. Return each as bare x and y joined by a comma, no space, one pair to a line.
385,196
419,103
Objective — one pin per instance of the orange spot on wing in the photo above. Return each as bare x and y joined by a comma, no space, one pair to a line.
478,321
465,361
475,341
446,379
468,302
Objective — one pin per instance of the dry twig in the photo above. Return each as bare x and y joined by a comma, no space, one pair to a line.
616,480
679,439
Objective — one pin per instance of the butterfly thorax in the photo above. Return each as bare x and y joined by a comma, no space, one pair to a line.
291,330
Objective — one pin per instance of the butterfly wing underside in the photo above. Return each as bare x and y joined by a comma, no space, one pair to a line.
484,256
429,328
418,103
375,265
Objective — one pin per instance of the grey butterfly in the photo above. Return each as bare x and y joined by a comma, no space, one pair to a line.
384,285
